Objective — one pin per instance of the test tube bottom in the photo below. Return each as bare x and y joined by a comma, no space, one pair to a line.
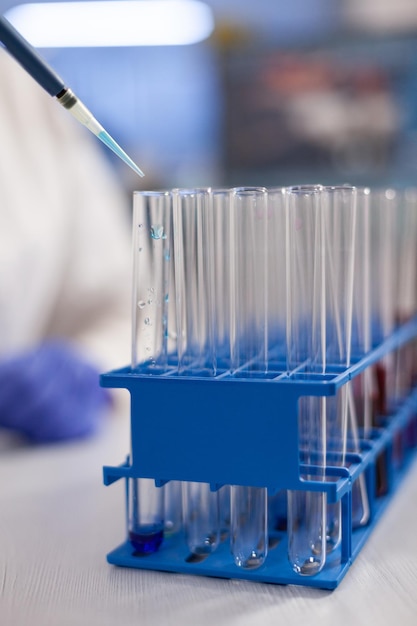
147,540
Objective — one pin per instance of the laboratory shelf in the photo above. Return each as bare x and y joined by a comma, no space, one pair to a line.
195,428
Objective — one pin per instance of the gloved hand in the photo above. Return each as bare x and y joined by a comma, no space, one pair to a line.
50,394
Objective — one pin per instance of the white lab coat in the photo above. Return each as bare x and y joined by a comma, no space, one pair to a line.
64,230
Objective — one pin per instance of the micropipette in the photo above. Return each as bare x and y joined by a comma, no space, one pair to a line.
33,63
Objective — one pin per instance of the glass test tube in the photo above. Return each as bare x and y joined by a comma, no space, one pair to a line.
193,228
276,286
153,341
201,518
361,319
360,388
404,251
248,526
384,275
248,280
172,507
194,276
306,349
406,285
220,210
153,301
339,205
248,354
221,280
276,310
409,306
145,515
384,210
224,507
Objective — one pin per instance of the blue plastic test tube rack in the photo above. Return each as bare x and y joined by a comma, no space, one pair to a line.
171,416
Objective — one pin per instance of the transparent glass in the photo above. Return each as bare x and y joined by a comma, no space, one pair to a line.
153,299
407,256
361,320
220,199
360,389
339,204
248,279
306,524
406,285
306,349
201,518
172,507
248,348
276,286
194,275
384,277
339,225
224,504
305,322
384,270
361,315
248,526
307,510
145,515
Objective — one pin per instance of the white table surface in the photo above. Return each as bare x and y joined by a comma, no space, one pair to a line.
58,521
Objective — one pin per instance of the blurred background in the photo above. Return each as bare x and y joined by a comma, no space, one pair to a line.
277,92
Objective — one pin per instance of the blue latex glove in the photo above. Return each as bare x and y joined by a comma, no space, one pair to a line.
50,394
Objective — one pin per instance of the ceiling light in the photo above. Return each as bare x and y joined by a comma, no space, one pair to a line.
113,23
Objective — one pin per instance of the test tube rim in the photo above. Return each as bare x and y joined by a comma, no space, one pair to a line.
313,189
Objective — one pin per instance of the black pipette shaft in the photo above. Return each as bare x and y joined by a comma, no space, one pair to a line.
29,59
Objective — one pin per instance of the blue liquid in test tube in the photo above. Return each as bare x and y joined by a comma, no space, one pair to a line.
146,515
147,539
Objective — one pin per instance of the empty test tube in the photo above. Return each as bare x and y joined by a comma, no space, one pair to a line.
220,199
248,280
194,271
248,354
276,287
172,507
248,526
339,207
224,506
306,349
360,388
201,518
406,285
384,211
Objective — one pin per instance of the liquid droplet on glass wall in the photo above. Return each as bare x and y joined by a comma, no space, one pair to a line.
141,304
157,231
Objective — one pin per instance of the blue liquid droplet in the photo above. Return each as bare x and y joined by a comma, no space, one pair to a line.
157,231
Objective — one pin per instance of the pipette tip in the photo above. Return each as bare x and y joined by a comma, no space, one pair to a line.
110,143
